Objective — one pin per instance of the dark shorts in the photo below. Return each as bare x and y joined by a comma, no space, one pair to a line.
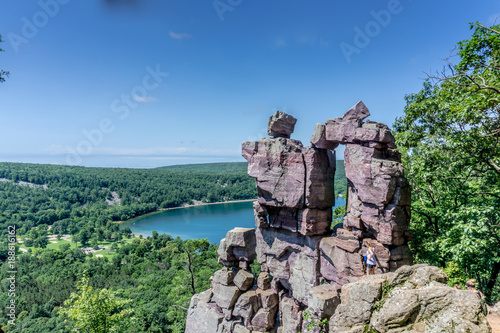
370,266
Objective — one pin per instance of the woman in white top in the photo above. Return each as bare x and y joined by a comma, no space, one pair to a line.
371,260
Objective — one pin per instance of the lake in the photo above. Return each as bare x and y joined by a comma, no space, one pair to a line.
205,221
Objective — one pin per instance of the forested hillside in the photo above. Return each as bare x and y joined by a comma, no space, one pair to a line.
85,203
153,273
78,200
213,168
158,274
241,168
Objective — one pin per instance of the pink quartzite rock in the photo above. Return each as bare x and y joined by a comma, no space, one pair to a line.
248,304
291,258
357,112
324,300
351,129
330,273
374,178
290,315
347,263
350,221
346,240
285,218
243,280
373,132
268,298
378,193
203,316
314,221
264,320
260,214
281,125
225,296
290,175
340,131
224,276
318,138
400,256
239,245
319,179
295,245
264,281
278,166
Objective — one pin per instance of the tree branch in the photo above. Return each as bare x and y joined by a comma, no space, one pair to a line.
486,28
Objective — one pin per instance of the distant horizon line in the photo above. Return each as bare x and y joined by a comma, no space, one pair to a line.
122,166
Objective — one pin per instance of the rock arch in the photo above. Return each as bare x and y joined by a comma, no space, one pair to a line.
293,242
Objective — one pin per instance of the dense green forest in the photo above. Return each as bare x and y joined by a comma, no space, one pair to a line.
213,168
86,203
151,272
86,200
449,137
241,168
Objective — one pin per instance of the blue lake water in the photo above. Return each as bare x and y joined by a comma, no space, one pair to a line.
207,221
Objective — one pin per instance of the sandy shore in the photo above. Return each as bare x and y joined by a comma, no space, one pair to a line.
188,206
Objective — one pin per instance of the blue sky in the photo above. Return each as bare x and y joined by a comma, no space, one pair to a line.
149,83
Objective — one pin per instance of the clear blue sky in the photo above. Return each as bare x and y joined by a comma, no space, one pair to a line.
81,66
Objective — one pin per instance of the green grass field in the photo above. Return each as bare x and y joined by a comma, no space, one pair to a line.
74,245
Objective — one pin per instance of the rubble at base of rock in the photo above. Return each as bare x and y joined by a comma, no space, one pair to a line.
306,266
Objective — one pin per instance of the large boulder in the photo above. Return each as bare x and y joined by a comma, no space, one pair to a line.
202,315
247,305
225,296
239,245
318,138
324,300
281,125
350,129
244,280
290,175
412,299
278,166
357,112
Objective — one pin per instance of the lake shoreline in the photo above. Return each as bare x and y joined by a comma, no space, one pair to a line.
186,206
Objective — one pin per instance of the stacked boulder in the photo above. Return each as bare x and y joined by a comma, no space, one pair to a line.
378,202
237,302
305,259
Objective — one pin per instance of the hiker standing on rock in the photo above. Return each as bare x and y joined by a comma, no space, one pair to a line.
371,260
471,285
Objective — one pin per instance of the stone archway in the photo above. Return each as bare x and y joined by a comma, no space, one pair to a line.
293,241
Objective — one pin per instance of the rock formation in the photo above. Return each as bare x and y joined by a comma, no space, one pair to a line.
304,262
412,299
